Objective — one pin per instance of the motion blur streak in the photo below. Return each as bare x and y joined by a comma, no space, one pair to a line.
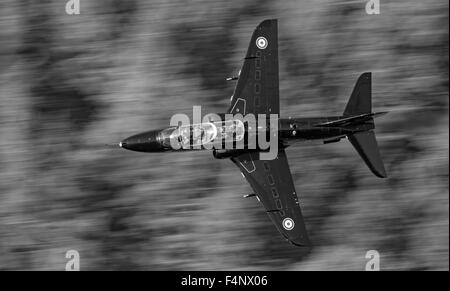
70,82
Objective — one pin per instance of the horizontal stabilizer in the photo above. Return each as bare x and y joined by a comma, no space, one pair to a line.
366,145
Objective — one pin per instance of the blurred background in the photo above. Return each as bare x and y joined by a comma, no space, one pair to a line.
70,84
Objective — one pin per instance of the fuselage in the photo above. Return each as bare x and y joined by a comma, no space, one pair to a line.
308,129
289,131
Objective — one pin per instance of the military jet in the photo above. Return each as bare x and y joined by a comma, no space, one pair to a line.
257,92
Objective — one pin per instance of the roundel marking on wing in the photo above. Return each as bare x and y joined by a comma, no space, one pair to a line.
261,42
288,223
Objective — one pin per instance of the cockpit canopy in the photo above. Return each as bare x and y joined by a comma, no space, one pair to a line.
200,134
195,134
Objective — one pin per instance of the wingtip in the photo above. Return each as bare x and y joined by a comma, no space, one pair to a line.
300,241
303,244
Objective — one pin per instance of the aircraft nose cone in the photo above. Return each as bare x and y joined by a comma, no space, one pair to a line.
142,142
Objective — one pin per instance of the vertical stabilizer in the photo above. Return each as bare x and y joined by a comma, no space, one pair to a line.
360,101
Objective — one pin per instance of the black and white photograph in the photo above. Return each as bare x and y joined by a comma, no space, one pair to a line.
224,140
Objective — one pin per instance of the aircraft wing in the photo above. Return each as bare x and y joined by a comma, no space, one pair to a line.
271,180
257,90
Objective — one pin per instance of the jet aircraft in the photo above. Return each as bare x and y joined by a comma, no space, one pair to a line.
257,92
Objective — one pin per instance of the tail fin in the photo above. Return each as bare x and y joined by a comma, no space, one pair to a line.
366,145
361,99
